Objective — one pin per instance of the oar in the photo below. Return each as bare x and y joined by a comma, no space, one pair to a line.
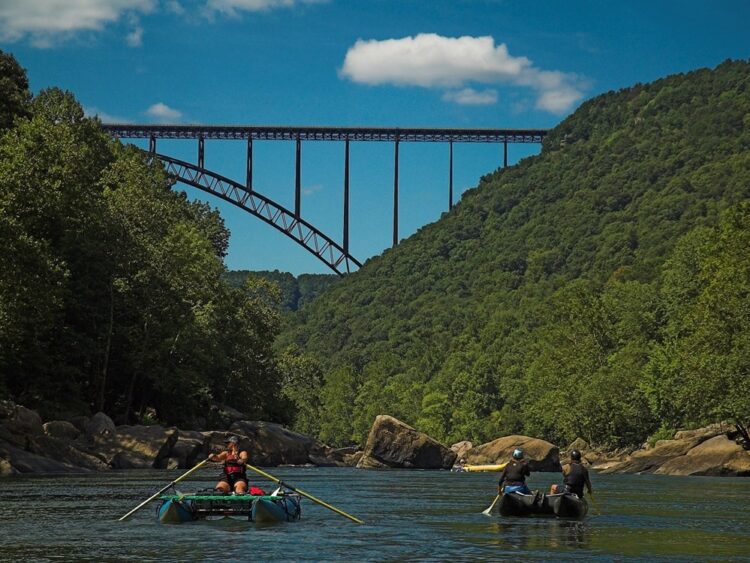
489,510
180,478
304,494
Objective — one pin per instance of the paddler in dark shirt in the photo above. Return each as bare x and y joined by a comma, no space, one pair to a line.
513,477
575,477
234,474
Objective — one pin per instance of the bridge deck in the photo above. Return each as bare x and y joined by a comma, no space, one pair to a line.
271,133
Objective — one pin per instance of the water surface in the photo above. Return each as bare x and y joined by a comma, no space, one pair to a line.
409,515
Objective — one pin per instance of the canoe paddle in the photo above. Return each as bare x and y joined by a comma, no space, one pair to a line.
304,494
180,478
489,510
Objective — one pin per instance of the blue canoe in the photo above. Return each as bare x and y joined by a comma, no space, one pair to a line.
177,509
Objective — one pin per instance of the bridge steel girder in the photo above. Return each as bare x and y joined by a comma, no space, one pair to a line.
272,133
265,209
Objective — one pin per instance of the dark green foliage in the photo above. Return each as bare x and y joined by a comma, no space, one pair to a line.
540,303
295,292
111,284
14,91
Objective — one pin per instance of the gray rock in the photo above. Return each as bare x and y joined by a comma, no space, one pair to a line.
23,461
541,455
272,444
133,447
717,456
61,429
392,443
461,448
6,468
100,427
18,419
190,448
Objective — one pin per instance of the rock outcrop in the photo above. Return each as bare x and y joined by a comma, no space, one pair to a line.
716,456
391,444
271,444
541,455
461,449
704,451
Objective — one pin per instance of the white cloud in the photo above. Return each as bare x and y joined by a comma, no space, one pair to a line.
135,37
433,61
471,97
174,7
90,111
162,113
231,7
50,21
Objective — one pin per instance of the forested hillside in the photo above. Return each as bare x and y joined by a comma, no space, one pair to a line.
598,290
111,284
295,291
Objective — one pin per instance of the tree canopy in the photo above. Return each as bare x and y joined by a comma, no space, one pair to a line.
595,290
112,295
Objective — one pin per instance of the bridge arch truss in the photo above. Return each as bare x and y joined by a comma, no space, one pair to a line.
335,256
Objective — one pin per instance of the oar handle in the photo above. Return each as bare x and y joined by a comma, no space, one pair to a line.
160,491
304,494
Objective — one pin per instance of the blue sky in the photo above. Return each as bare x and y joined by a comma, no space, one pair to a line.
400,63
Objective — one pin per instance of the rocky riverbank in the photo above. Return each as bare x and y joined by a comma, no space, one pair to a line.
29,445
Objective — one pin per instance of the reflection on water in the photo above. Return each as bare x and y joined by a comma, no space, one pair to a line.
409,515
531,534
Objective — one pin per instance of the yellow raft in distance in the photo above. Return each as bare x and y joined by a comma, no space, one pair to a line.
477,468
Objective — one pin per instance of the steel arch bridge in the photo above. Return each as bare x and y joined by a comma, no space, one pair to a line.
335,256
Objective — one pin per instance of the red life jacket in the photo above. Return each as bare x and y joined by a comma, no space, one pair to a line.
232,467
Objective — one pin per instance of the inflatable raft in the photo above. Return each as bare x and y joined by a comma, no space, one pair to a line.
177,509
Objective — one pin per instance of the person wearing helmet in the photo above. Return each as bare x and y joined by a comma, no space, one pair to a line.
513,477
234,475
575,476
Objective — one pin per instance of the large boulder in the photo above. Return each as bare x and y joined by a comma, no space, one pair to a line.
47,455
131,447
705,433
652,459
190,448
461,448
391,443
100,427
716,456
541,455
61,429
6,468
19,420
272,444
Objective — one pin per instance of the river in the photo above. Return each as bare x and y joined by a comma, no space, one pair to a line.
409,516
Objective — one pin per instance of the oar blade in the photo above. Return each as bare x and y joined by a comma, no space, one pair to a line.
488,510
160,491
304,494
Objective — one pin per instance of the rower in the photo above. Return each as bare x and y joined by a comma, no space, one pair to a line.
234,474
575,477
513,477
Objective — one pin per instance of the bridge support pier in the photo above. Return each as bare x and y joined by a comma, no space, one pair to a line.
298,181
249,173
395,194
450,178
201,147
152,144
505,153
346,197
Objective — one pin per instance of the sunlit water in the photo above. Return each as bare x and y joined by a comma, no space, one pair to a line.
409,515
